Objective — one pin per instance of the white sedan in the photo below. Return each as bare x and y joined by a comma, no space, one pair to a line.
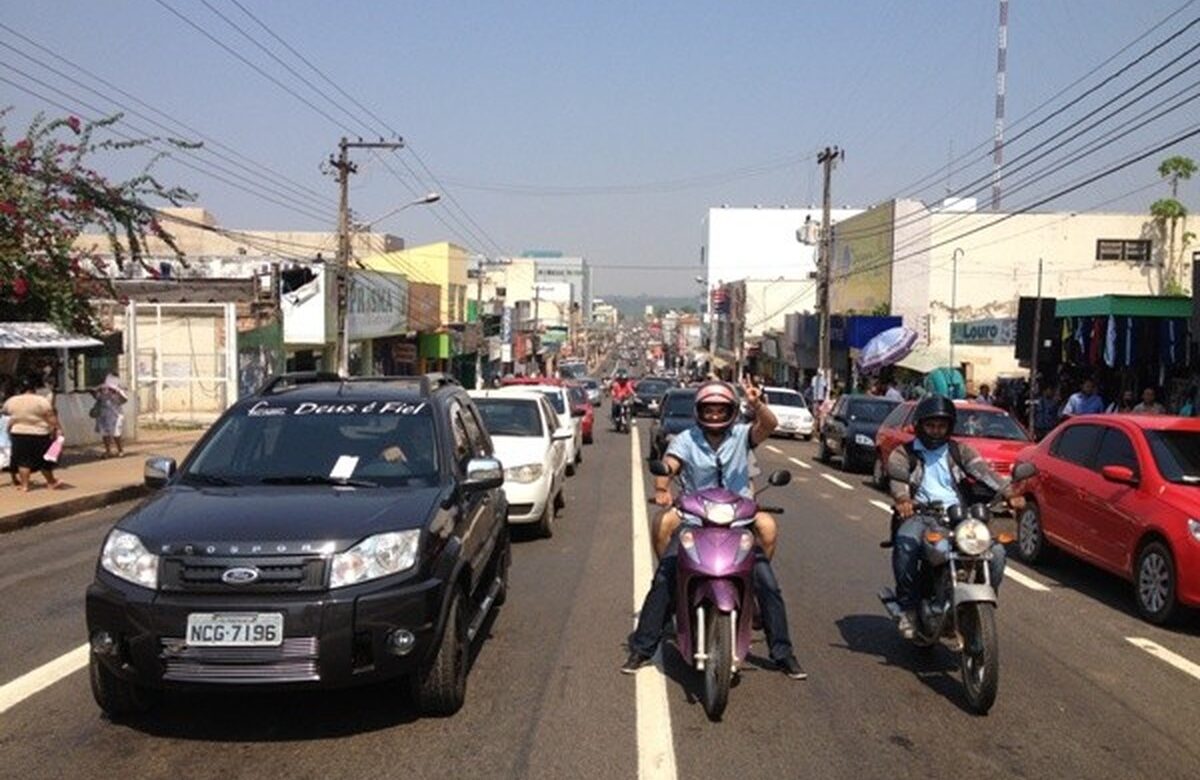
560,400
792,412
530,441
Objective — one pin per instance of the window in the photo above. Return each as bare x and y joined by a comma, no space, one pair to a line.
462,443
480,444
1177,454
1132,251
1116,450
1076,444
896,418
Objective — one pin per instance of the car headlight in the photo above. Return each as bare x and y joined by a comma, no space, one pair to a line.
374,557
718,514
530,472
972,537
1194,528
126,557
863,440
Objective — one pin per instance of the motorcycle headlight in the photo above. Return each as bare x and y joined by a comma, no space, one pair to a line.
718,514
530,472
972,537
374,557
126,557
863,440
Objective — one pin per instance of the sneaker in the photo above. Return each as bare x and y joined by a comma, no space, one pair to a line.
792,668
634,662
905,624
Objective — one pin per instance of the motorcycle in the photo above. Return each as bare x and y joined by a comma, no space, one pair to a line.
957,601
714,583
624,417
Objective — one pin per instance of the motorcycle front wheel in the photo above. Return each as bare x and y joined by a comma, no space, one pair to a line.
980,657
718,668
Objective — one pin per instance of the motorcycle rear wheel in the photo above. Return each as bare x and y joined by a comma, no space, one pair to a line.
718,669
980,656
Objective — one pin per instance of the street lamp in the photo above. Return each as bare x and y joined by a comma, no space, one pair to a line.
954,298
424,200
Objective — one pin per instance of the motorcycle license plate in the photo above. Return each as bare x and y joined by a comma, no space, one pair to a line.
235,629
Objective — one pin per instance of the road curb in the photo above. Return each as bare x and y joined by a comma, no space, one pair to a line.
71,506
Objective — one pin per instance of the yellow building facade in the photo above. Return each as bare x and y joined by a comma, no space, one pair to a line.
443,264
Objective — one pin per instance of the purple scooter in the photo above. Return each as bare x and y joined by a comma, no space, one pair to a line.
714,583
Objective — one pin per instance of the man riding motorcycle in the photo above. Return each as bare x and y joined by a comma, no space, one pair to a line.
933,468
714,453
622,388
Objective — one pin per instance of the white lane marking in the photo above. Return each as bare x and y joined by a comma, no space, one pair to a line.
838,482
1163,654
800,463
886,507
774,449
656,748
20,689
1024,579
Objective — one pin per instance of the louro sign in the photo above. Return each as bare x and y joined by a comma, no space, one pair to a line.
999,332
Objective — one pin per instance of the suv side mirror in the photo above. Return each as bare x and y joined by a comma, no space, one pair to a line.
1023,471
158,472
483,474
779,478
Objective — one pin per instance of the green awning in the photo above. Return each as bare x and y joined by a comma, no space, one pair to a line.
1125,306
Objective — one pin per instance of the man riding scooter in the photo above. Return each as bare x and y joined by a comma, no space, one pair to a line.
622,389
714,453
933,469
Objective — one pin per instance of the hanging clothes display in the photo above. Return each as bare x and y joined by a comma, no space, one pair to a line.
1110,342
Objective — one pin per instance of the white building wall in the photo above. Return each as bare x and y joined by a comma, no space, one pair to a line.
1000,264
768,302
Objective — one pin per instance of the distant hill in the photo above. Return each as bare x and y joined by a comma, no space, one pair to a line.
635,306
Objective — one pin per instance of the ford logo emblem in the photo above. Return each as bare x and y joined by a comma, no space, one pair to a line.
239,575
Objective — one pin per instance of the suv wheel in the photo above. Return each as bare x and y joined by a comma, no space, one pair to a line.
441,686
503,561
118,698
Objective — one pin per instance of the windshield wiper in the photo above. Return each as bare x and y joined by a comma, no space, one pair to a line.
209,479
318,479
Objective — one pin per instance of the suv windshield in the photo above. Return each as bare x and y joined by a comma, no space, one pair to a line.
680,405
1177,454
384,443
783,398
510,416
988,425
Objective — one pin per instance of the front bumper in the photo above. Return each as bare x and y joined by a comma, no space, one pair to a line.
527,500
795,427
331,639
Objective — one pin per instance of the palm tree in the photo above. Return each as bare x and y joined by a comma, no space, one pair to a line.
1168,214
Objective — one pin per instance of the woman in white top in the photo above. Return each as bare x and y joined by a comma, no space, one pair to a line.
110,420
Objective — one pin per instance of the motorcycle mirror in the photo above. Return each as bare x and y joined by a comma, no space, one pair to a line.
954,513
659,469
780,478
1023,470
980,512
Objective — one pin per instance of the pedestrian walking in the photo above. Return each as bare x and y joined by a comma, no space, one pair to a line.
33,427
110,420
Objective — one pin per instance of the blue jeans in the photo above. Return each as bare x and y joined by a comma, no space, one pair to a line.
656,609
906,561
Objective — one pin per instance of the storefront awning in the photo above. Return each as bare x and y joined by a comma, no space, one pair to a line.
41,335
1125,306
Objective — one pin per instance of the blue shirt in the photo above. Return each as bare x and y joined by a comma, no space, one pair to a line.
937,483
1079,403
699,460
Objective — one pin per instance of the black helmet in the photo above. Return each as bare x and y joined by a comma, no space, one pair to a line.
929,407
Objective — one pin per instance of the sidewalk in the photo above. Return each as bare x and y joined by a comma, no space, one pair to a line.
90,481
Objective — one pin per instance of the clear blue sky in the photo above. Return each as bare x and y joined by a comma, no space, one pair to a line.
601,129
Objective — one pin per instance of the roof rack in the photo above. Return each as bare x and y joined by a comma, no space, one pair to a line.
426,384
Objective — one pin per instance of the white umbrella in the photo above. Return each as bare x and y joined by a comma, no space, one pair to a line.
886,348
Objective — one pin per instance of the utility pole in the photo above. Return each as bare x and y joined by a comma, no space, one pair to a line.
1001,90
826,159
343,166
1037,342
479,322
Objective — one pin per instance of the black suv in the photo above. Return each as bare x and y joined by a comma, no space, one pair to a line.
648,395
323,533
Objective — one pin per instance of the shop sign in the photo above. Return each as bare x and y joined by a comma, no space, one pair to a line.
998,332
376,305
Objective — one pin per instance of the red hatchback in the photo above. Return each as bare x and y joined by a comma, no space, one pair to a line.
581,407
1121,492
991,431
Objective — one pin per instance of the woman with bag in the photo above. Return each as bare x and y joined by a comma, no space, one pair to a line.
33,427
110,420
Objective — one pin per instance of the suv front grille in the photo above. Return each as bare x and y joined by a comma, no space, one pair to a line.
275,575
293,661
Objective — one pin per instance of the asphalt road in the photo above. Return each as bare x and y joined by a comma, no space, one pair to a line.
545,700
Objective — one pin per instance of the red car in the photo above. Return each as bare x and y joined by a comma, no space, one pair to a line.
581,406
991,431
1121,492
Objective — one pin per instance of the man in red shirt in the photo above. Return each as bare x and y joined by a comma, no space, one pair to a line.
622,388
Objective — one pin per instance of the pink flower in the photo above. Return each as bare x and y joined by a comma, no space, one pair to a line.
73,122
20,287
